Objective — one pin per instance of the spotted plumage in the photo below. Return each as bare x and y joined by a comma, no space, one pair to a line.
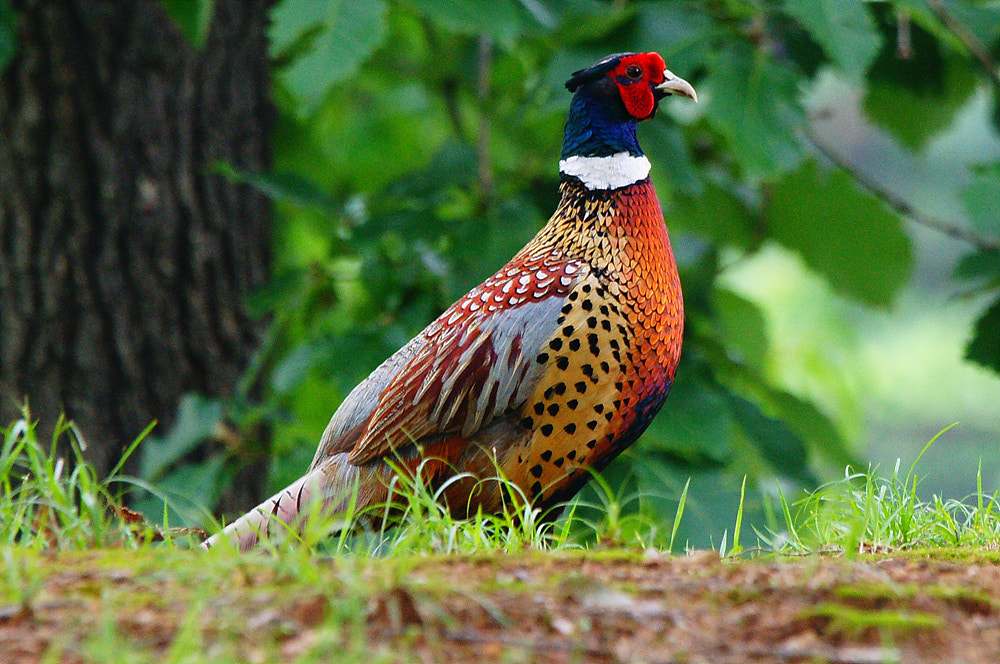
550,367
617,342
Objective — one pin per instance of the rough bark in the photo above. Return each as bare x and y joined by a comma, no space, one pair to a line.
124,262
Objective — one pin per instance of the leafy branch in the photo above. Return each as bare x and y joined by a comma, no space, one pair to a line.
894,201
979,53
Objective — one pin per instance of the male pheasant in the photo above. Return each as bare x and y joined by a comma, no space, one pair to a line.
550,367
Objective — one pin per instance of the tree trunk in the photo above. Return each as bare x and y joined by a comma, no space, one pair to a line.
124,262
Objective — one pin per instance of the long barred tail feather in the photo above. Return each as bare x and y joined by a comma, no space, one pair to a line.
329,483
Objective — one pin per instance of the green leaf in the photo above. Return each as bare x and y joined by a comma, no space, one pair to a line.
681,32
585,20
782,448
995,115
742,328
980,20
754,103
797,44
190,484
326,41
984,348
500,19
808,421
284,187
980,266
845,30
982,201
802,417
842,233
8,34
294,366
958,22
695,425
715,215
918,96
193,17
671,155
197,419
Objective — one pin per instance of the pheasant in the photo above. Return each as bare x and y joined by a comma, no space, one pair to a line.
551,367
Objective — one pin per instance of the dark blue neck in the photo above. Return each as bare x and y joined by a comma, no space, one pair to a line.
596,128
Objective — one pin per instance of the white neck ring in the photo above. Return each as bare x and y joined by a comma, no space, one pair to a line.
619,170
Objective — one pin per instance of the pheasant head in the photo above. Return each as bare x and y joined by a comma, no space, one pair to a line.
600,146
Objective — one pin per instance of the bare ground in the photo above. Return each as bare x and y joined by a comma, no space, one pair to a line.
96,607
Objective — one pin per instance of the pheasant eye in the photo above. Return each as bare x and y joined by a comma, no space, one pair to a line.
634,72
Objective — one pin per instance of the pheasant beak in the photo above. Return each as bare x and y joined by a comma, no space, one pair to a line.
675,85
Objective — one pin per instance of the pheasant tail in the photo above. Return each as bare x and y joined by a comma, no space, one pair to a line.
326,488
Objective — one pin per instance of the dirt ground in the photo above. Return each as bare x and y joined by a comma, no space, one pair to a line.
909,608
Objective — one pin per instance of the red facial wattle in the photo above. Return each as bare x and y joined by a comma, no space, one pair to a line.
637,93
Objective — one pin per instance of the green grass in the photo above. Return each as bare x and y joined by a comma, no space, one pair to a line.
49,502
418,522
870,513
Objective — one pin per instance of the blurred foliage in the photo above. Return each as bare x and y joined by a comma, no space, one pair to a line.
7,33
193,18
415,151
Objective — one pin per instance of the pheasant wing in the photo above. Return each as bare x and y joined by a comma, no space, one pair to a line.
477,361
